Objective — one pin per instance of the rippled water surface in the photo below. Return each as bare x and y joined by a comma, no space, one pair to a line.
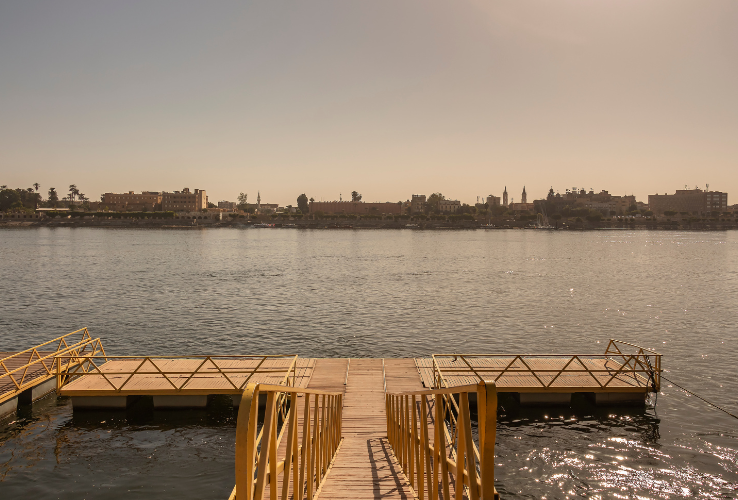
379,294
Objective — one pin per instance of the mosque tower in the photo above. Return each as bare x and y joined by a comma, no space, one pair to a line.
504,197
258,199
524,197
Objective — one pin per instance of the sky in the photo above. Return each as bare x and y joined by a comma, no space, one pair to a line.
388,98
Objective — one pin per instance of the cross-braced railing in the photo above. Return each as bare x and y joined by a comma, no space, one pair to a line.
643,361
431,436
173,374
618,366
39,362
310,446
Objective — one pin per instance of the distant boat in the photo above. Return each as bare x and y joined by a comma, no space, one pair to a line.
488,226
412,226
263,224
542,222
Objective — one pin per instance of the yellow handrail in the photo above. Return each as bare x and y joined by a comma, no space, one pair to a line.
306,461
148,365
643,367
452,458
85,346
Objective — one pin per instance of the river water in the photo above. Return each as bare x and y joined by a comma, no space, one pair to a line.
379,293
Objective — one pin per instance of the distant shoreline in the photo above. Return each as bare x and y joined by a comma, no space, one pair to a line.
362,224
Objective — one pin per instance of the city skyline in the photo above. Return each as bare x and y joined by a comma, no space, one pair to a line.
384,98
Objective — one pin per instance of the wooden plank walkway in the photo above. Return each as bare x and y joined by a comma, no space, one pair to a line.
365,467
525,381
327,374
194,377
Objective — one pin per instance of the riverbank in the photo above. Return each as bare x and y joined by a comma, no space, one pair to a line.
267,223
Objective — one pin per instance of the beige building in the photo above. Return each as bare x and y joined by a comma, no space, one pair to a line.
522,207
130,201
493,201
605,202
184,201
355,207
449,206
689,200
417,203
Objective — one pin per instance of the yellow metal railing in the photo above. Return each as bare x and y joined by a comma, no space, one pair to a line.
644,360
307,457
641,368
174,375
39,363
431,436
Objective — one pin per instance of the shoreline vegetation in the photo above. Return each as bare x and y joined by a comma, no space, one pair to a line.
171,220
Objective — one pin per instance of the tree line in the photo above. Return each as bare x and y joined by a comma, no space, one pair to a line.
20,199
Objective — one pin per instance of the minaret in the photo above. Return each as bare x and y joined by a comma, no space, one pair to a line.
524,197
504,197
258,199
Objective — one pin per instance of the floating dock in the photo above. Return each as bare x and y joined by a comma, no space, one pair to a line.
174,381
624,373
341,428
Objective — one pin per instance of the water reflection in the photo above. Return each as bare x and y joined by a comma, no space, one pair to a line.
592,452
50,450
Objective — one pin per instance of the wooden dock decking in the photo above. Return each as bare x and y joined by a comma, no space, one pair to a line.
206,375
622,369
539,373
365,466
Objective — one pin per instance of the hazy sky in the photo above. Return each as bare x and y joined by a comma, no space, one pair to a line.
389,98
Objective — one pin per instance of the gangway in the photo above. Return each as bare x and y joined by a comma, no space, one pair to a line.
28,375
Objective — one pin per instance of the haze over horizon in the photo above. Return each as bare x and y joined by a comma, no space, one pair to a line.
386,98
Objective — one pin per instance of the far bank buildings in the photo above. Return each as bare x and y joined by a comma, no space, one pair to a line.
689,201
177,201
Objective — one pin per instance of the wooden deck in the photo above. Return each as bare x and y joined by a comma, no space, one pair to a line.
185,376
536,374
365,466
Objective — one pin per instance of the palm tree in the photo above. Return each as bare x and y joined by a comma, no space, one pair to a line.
36,186
73,191
35,195
53,197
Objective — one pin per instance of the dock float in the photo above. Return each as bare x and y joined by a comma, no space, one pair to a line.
624,373
111,382
26,376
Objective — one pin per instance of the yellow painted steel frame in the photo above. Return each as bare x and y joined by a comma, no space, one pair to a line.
305,464
66,345
448,457
91,367
643,367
